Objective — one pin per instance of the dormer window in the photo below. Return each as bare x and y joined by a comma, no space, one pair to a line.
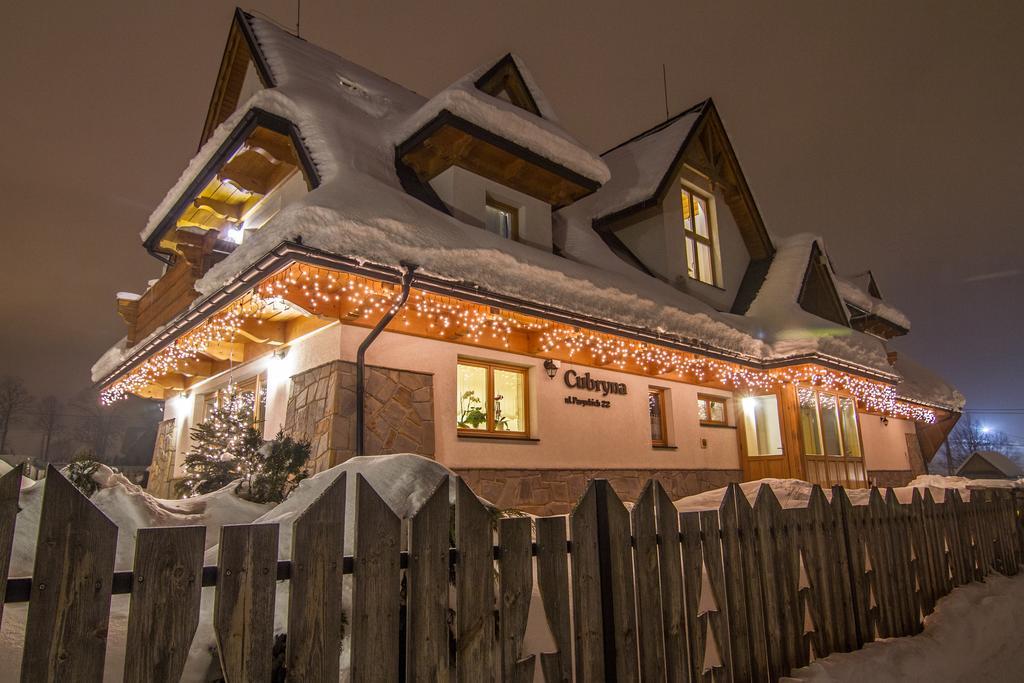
699,232
502,219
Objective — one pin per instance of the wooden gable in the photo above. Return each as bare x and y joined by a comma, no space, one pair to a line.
818,293
240,52
707,151
505,81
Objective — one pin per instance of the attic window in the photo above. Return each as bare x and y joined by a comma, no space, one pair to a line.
502,219
699,232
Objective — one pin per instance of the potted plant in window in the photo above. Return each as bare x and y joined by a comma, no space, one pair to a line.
471,414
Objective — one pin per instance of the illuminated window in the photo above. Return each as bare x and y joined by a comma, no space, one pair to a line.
761,425
656,411
249,396
491,398
699,235
711,410
830,437
502,219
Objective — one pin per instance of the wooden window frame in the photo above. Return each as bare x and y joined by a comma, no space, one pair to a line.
696,238
257,382
662,417
830,460
493,203
707,400
489,430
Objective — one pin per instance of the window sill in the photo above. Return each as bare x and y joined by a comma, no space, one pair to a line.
498,437
712,425
664,448
704,284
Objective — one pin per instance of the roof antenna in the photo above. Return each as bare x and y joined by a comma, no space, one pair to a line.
298,18
664,86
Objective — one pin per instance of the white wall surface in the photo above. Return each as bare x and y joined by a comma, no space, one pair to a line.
885,446
466,194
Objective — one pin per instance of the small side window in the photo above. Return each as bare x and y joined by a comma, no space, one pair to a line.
711,410
699,234
502,219
656,411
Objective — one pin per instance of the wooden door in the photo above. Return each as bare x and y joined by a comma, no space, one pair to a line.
781,459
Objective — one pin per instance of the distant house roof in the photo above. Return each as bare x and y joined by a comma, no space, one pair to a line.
999,462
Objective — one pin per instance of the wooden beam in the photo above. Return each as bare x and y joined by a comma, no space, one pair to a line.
223,350
264,331
225,210
173,381
243,180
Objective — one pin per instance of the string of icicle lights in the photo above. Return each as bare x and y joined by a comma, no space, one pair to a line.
352,298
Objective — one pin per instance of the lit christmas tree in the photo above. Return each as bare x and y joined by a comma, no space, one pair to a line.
222,446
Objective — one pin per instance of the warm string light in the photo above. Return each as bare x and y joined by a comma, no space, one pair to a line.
325,292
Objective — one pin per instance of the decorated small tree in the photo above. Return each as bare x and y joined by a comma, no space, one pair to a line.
275,469
222,446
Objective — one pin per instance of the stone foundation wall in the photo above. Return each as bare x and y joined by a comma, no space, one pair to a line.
890,478
399,412
555,492
161,470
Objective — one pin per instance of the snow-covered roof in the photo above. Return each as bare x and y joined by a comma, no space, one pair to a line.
1003,464
854,291
540,135
922,385
350,119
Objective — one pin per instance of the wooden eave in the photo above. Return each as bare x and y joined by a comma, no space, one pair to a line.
449,140
288,253
253,119
707,149
240,50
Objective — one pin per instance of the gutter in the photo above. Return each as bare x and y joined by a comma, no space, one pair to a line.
407,278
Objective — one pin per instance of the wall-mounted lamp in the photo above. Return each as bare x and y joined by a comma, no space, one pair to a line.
551,367
281,353
884,420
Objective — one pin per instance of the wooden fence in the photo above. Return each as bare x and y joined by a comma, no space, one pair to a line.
741,593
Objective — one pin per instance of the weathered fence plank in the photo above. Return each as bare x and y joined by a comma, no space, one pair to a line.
852,564
66,632
315,617
515,588
588,620
617,558
553,582
880,552
906,595
696,619
766,515
10,492
474,588
427,589
670,568
922,557
743,591
842,588
817,556
166,594
651,631
376,580
244,605
714,571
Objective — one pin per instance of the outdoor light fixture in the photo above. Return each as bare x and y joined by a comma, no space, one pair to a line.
884,420
281,353
551,367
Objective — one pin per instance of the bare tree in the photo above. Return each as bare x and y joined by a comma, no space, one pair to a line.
14,402
969,436
48,421
97,426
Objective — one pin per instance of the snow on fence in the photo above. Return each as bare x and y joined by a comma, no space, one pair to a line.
741,593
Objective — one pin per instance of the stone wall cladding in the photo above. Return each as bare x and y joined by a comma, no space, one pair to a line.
884,479
555,492
399,412
161,470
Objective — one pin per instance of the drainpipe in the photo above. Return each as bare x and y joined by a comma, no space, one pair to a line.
407,277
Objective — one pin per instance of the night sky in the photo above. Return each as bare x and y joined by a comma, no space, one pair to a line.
894,130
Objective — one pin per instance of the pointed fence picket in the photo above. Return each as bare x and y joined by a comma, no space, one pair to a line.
737,593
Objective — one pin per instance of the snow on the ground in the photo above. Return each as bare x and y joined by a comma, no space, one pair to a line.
794,493
976,633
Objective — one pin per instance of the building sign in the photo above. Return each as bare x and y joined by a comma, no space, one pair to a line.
574,380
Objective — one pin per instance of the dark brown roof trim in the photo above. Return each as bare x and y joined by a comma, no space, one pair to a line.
253,118
447,118
290,252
